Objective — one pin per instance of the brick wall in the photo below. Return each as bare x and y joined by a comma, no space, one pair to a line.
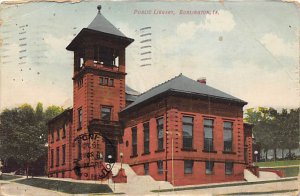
58,170
173,109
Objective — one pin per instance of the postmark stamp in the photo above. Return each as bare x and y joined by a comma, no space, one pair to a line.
92,157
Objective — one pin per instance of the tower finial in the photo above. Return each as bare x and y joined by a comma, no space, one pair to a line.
99,8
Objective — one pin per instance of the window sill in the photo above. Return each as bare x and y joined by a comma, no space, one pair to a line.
188,174
132,156
211,151
63,164
63,137
159,150
209,174
189,149
145,153
229,174
228,152
107,85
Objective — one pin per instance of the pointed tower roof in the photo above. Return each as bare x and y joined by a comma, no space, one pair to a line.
100,23
100,26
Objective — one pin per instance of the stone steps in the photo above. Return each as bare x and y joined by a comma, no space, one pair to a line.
263,175
136,183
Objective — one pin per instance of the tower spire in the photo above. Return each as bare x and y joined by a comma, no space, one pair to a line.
99,8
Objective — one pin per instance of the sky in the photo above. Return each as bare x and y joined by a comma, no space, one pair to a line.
248,49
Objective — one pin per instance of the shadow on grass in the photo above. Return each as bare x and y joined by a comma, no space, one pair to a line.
66,187
9,177
290,171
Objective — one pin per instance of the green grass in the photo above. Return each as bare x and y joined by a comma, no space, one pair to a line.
278,163
65,186
289,171
9,177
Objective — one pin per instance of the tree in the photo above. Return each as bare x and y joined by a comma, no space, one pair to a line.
263,126
274,130
25,132
290,127
52,111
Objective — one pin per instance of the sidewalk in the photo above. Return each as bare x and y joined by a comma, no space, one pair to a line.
288,188
281,166
15,189
285,186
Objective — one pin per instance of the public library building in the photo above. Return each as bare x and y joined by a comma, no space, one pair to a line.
182,131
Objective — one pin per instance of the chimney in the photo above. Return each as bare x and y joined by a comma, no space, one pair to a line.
202,80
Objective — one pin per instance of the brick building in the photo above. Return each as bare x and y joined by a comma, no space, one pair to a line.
182,131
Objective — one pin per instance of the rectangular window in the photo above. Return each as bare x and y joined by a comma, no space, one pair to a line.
187,126
105,81
101,81
228,168
52,158
58,134
208,135
64,154
79,118
160,167
64,130
146,168
134,141
57,156
188,166
79,150
160,133
209,167
111,82
146,138
228,136
80,83
52,136
105,113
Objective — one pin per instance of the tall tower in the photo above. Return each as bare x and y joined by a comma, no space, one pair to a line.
98,87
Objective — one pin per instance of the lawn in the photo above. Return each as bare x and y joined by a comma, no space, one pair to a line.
65,186
286,166
278,163
290,171
9,177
